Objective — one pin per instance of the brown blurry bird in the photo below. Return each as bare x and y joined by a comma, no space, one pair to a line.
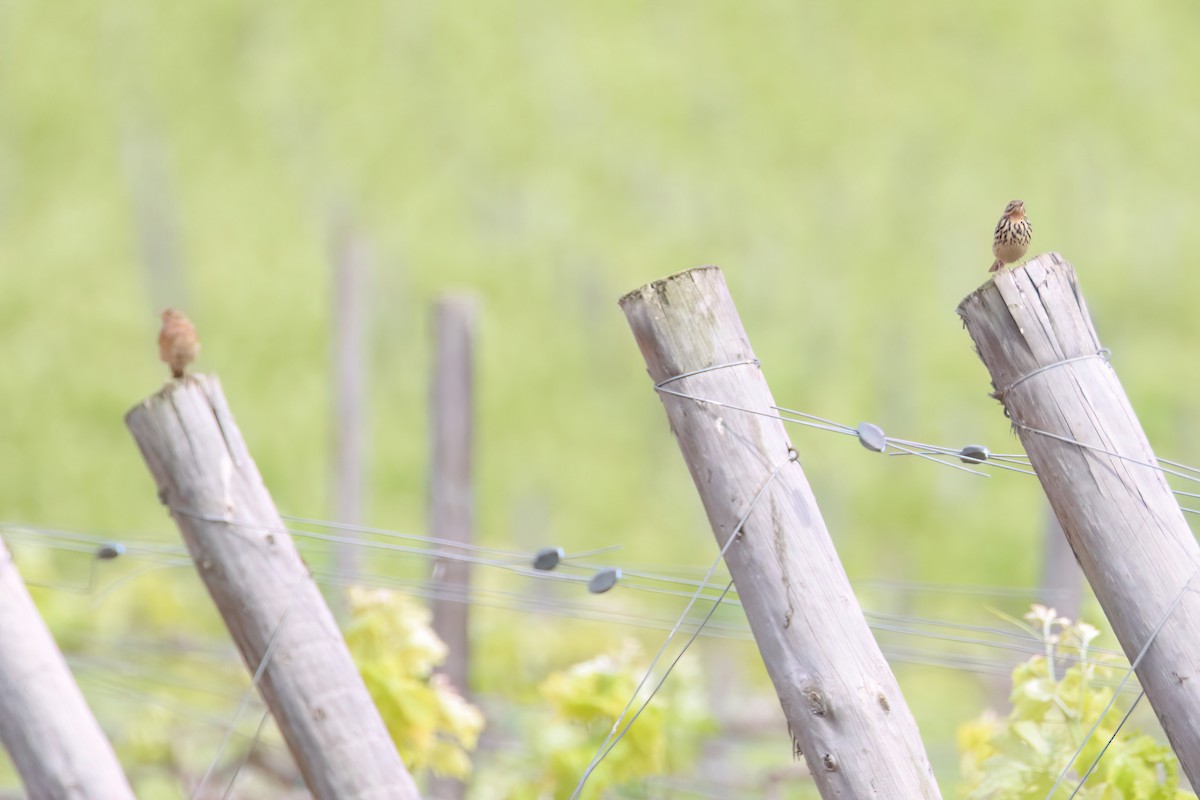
1012,236
177,342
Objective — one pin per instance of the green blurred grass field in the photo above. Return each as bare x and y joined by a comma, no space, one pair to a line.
844,164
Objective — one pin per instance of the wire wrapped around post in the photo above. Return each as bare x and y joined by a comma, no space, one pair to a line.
1032,330
840,698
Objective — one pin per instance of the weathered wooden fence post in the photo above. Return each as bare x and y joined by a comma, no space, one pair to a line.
45,724
1033,332
351,314
451,500
264,591
841,700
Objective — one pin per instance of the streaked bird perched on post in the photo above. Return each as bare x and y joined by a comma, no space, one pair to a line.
1012,236
177,342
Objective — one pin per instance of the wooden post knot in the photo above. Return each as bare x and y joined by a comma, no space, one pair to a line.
817,703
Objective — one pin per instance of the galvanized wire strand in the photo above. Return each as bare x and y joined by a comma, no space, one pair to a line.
910,451
1021,635
738,630
106,684
732,407
1103,750
506,564
515,600
841,428
1027,649
262,721
535,604
880,623
148,676
515,556
87,542
1178,465
259,671
1104,353
825,425
115,584
803,418
959,662
645,704
1069,440
514,564
734,535
919,449
174,556
747,362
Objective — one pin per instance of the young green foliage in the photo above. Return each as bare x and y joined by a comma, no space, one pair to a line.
396,651
1021,756
582,701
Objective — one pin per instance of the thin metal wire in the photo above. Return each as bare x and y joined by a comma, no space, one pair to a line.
919,448
1098,449
1188,467
511,566
937,460
160,556
734,535
673,378
933,449
515,556
825,425
143,698
848,429
258,673
262,721
557,607
111,587
989,461
535,604
1107,744
712,609
1102,354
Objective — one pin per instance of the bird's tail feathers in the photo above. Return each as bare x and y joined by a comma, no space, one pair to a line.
997,265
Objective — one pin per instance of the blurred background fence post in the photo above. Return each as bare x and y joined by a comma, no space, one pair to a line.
451,495
1032,329
351,271
265,593
841,700
45,724
1062,581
